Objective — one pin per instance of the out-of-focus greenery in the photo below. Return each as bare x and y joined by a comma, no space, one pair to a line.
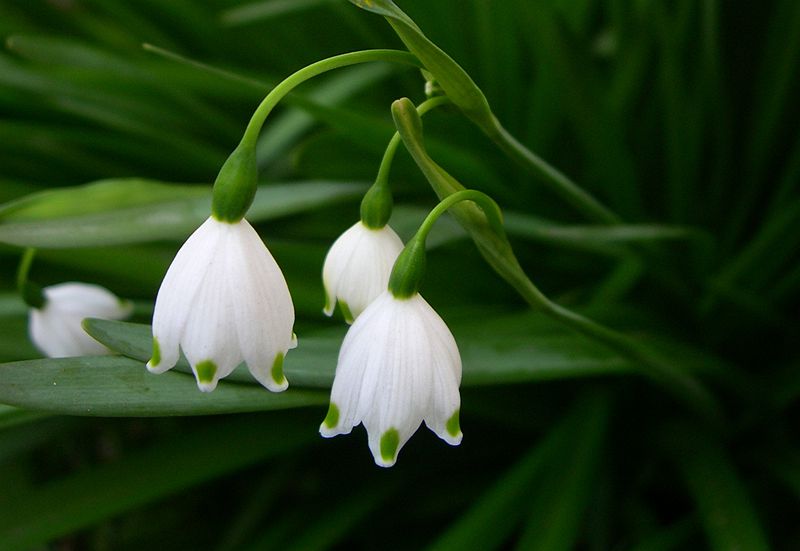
682,117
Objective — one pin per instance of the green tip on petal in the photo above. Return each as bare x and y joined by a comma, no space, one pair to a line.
206,371
453,425
347,314
389,443
332,418
156,359
277,369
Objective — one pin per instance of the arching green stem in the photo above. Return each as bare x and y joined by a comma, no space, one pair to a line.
499,254
409,268
316,69
235,186
376,206
31,293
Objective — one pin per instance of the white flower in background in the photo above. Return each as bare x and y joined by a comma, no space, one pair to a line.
398,366
357,268
56,329
224,300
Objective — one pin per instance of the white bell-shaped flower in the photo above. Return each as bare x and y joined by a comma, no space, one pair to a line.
224,300
398,366
357,268
56,329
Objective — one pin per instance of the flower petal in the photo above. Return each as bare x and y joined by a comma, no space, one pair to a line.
401,400
264,314
358,266
177,293
364,341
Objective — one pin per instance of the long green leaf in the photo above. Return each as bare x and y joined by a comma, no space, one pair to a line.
117,386
490,521
134,211
266,9
497,358
559,503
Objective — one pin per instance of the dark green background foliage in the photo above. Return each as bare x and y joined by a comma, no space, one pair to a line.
681,116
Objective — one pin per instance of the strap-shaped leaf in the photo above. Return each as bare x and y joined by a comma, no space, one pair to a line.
124,211
117,386
492,359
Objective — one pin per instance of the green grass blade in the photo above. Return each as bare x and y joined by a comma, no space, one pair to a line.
726,511
496,513
331,526
560,501
78,217
266,9
184,460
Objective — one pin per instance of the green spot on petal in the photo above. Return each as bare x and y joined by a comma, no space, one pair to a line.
453,426
328,306
389,442
332,419
156,359
206,371
277,369
346,313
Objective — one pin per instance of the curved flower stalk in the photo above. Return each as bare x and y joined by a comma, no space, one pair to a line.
55,324
358,264
398,366
223,301
357,268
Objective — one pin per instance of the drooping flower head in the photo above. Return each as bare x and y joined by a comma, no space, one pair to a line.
357,268
55,326
398,366
223,301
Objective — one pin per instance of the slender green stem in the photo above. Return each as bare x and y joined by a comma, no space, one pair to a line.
394,143
496,249
315,69
25,266
409,268
235,186
551,176
31,293
376,206
486,203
